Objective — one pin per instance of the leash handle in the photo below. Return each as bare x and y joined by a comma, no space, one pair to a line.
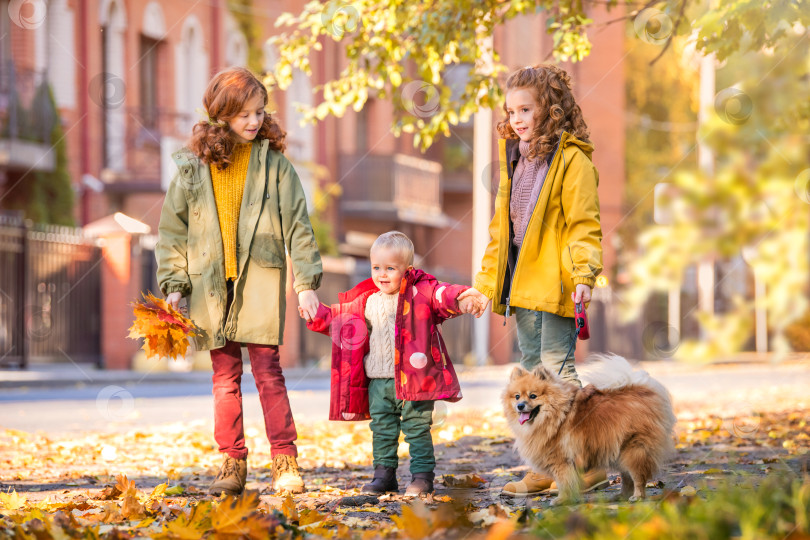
581,318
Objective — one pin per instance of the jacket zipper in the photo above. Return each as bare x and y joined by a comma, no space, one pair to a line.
517,259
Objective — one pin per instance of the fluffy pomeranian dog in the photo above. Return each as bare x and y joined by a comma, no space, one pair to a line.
622,421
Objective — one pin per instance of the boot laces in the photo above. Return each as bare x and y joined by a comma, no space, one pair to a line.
228,468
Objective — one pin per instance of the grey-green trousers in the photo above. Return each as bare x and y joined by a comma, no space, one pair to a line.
544,338
388,415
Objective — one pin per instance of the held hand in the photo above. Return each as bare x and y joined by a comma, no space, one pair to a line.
308,304
582,294
173,299
481,300
468,305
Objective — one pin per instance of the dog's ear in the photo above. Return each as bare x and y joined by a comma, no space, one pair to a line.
517,372
541,373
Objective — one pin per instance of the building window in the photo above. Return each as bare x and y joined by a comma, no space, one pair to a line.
149,79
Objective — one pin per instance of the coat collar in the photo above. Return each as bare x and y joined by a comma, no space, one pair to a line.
365,286
566,140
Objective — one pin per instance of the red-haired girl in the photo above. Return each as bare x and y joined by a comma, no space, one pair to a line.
545,247
232,209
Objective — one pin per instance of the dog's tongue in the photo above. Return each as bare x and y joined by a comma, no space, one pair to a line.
523,417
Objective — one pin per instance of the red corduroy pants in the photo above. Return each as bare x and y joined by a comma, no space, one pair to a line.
278,420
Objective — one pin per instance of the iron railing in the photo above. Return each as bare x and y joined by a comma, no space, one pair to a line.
50,294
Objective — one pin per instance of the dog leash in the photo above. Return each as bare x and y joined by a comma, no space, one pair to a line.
580,323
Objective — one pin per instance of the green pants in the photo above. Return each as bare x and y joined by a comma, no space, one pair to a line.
544,338
388,414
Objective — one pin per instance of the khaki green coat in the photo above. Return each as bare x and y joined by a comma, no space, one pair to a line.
273,217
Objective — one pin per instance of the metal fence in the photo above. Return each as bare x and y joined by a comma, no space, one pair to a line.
50,294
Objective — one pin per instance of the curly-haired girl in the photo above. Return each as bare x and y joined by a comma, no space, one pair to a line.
547,218
231,210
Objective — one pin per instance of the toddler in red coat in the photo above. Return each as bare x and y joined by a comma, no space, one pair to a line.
389,361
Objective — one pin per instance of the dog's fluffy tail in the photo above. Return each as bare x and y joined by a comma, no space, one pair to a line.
609,371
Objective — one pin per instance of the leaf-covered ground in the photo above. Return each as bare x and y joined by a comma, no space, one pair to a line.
152,483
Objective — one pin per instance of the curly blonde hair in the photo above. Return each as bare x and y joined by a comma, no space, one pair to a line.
557,110
224,98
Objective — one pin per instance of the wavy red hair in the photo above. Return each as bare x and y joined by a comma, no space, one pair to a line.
224,98
557,110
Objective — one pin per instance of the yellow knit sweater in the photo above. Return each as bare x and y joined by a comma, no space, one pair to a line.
229,185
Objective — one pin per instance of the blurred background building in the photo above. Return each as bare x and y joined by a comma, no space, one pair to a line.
125,78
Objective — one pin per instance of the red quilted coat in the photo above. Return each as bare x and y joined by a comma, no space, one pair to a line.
422,366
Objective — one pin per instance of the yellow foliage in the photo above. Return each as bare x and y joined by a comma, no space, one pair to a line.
164,330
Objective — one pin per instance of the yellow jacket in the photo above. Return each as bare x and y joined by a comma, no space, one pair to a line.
563,242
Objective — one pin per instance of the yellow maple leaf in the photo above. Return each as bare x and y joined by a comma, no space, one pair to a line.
111,514
189,527
309,516
144,523
132,508
227,515
288,508
411,524
159,492
125,485
12,501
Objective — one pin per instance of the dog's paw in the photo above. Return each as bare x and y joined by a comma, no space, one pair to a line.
635,498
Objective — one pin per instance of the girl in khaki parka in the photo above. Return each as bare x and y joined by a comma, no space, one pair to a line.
545,246
230,212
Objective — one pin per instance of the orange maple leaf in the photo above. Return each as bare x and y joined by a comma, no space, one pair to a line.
164,330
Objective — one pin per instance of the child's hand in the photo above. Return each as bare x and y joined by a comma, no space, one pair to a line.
582,294
308,304
481,301
468,305
173,299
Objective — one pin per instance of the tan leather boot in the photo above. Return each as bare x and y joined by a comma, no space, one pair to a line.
231,478
535,484
531,484
286,475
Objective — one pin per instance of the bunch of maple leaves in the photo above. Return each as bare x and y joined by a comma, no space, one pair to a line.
164,330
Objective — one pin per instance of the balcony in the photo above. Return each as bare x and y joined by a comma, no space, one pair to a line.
393,187
27,118
145,138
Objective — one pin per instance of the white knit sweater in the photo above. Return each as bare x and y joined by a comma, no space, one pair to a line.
381,312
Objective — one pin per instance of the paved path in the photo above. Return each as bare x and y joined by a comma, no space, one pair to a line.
121,405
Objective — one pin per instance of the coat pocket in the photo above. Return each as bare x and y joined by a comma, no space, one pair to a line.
267,252
195,266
